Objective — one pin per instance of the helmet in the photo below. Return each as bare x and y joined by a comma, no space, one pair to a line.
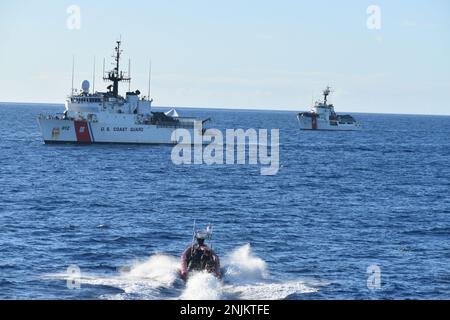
201,235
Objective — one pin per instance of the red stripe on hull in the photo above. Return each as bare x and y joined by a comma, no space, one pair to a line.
82,132
314,122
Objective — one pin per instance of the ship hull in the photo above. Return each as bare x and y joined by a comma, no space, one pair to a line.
56,131
316,123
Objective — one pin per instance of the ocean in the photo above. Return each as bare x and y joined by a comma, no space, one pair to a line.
110,221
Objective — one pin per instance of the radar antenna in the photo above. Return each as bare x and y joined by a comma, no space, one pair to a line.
115,75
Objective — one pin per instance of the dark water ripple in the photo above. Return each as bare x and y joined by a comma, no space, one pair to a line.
341,202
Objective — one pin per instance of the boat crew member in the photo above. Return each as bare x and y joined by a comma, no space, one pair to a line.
199,257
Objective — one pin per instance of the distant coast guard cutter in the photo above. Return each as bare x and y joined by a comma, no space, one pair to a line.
107,117
323,117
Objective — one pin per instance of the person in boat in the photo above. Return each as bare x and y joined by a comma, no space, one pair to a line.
199,257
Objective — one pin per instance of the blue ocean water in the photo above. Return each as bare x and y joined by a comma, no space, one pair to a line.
341,202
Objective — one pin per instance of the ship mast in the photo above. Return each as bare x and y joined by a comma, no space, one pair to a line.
115,76
326,92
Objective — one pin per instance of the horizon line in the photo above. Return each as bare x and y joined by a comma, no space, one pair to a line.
242,109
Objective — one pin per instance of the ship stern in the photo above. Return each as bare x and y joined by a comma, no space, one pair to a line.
57,130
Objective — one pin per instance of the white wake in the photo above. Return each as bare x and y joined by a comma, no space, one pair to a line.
245,277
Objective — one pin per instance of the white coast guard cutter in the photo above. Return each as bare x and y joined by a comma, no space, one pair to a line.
107,117
323,117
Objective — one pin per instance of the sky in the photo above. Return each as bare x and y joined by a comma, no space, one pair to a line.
235,54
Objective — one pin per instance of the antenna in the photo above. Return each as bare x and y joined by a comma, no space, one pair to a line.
73,70
93,78
193,238
103,67
149,78
209,233
129,75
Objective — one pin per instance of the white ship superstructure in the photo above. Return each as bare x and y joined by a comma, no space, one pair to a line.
323,117
107,117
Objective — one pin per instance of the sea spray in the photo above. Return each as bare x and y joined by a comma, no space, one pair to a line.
246,278
268,291
159,267
202,286
142,280
157,277
242,266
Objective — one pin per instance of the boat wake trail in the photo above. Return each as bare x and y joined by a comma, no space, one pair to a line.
245,277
